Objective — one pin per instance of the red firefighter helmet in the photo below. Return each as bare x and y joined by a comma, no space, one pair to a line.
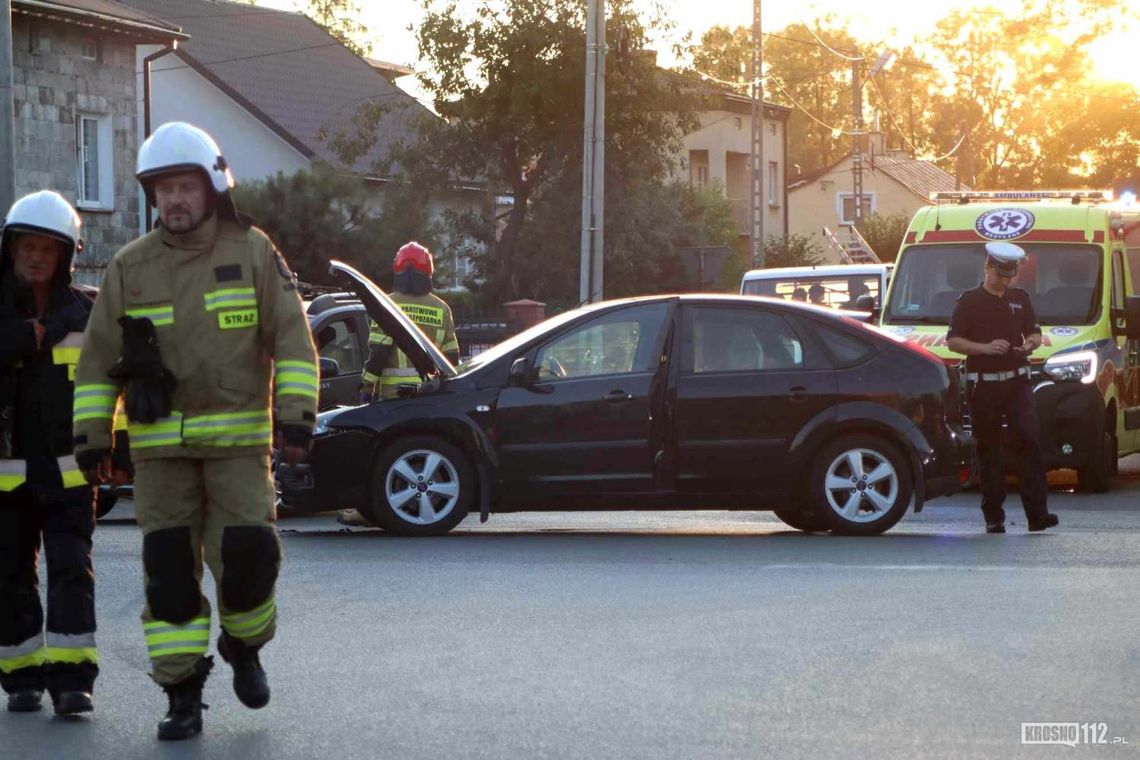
415,257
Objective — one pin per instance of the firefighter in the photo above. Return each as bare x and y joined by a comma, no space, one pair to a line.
42,492
995,326
387,367
198,325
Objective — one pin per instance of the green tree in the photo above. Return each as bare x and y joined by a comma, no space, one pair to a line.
791,251
885,233
507,80
341,19
324,214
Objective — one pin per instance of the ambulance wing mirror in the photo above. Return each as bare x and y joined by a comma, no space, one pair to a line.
1131,327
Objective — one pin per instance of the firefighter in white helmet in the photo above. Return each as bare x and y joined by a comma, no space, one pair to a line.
200,327
43,495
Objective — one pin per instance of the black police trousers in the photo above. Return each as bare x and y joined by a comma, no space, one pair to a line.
989,401
65,658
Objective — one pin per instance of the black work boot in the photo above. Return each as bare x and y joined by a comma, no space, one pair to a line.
25,700
1047,520
250,682
184,718
72,702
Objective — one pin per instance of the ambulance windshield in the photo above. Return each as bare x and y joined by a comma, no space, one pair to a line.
1063,281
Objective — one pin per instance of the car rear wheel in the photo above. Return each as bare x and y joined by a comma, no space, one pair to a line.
422,486
860,485
801,520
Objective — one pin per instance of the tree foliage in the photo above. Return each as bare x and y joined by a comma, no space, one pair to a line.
885,233
316,216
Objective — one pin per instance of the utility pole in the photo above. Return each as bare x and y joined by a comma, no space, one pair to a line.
590,279
857,140
7,112
756,200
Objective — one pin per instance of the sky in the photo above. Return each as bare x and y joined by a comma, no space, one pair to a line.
1114,54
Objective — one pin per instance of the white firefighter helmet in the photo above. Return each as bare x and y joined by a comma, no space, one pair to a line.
43,213
178,146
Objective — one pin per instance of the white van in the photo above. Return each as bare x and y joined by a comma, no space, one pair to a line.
835,285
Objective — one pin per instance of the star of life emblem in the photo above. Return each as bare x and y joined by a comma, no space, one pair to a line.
1004,223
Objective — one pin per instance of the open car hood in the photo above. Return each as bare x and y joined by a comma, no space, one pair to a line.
409,338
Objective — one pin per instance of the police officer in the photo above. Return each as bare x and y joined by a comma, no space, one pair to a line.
42,492
198,325
387,367
995,326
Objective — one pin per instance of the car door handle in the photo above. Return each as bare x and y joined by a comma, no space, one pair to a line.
616,397
798,394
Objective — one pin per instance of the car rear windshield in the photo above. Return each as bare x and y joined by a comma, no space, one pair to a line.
1063,281
838,291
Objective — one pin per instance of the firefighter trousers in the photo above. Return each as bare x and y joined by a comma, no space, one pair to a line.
65,659
220,508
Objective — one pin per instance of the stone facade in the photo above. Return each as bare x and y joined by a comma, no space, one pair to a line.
62,71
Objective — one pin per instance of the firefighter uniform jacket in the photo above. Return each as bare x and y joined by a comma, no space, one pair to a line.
36,387
432,315
232,330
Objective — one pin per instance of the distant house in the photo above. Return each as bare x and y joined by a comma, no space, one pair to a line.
893,182
76,99
720,150
273,87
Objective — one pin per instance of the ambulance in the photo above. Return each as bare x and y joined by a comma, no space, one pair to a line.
1082,273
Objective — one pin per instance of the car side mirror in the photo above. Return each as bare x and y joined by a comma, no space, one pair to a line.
329,367
1131,327
520,374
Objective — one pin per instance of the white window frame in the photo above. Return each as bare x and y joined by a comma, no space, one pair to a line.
105,157
839,205
773,184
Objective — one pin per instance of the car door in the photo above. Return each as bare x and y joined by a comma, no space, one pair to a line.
338,337
582,428
749,378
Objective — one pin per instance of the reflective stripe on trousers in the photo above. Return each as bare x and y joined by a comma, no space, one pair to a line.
165,639
27,654
73,648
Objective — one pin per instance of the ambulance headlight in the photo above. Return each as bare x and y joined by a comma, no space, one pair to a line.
1079,365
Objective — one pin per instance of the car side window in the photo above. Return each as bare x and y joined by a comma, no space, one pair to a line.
741,340
338,340
846,350
616,343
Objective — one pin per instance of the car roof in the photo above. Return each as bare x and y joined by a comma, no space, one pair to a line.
821,269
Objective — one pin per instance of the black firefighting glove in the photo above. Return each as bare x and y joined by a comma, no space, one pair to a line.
150,385
121,455
90,462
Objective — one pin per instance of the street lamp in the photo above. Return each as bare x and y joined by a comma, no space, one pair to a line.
884,62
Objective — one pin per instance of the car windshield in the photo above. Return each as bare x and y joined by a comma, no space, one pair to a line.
512,344
837,291
1063,281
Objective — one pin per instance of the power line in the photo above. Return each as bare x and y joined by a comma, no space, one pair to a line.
829,48
726,83
810,115
245,57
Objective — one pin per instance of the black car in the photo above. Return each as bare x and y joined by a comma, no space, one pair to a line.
664,402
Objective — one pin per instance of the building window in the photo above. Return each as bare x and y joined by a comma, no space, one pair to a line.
772,128
93,157
739,124
698,168
773,184
846,206
92,49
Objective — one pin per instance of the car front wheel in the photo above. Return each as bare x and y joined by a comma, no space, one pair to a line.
422,486
860,485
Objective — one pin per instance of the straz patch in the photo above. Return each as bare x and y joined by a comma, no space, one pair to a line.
1004,223
230,320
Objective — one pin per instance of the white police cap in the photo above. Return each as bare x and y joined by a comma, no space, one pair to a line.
1005,255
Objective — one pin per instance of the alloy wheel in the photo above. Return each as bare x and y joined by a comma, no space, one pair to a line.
422,487
861,485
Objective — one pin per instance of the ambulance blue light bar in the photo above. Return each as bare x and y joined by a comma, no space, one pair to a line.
975,196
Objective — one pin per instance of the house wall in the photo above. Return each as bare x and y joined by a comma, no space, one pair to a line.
179,93
815,205
726,137
53,82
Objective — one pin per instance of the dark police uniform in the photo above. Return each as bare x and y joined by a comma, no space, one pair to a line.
1000,386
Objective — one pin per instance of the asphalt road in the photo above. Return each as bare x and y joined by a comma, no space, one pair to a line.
658,635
